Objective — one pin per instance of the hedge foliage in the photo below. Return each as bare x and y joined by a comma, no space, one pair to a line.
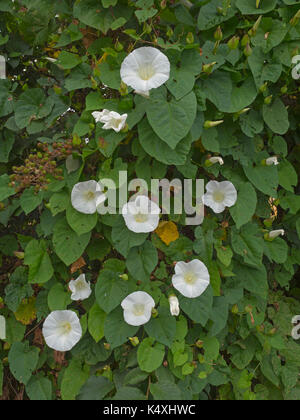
63,62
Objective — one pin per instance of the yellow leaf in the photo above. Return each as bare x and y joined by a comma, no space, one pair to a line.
26,312
167,231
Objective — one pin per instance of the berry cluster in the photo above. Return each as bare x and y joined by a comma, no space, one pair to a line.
40,167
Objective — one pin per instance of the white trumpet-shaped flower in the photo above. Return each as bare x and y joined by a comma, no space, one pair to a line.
275,233
137,308
272,161
216,159
220,195
174,305
80,288
111,120
86,196
141,215
62,330
2,328
144,69
191,279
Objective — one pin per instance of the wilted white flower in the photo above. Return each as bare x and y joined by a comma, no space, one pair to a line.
62,330
275,233
86,196
216,159
2,328
141,215
137,308
100,115
191,279
220,195
144,69
80,288
111,120
174,305
272,161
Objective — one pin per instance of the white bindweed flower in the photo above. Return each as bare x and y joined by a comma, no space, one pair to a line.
80,288
2,328
272,161
191,279
137,308
100,115
144,69
141,215
62,330
174,305
275,233
111,120
220,195
86,196
216,159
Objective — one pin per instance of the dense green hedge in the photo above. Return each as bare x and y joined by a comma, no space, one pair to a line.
231,62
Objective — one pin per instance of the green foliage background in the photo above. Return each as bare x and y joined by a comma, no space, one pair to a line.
232,343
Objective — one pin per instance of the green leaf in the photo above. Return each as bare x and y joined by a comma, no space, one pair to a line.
39,388
124,239
141,261
95,388
198,309
116,330
253,279
287,175
30,200
172,120
164,390
248,244
110,290
276,250
67,244
162,328
129,393
245,206
58,298
68,60
79,222
150,356
39,262
75,375
158,149
31,106
5,190
210,17
248,7
22,360
264,178
96,320
276,117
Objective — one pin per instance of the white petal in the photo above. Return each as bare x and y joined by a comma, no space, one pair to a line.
55,337
79,196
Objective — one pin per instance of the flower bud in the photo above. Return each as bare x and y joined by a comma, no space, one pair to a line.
253,30
174,305
270,236
199,344
245,40
263,87
233,43
210,124
235,309
218,35
268,100
207,68
123,277
19,255
154,313
272,161
294,21
215,159
284,89
118,46
190,38
106,346
123,89
134,341
247,50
